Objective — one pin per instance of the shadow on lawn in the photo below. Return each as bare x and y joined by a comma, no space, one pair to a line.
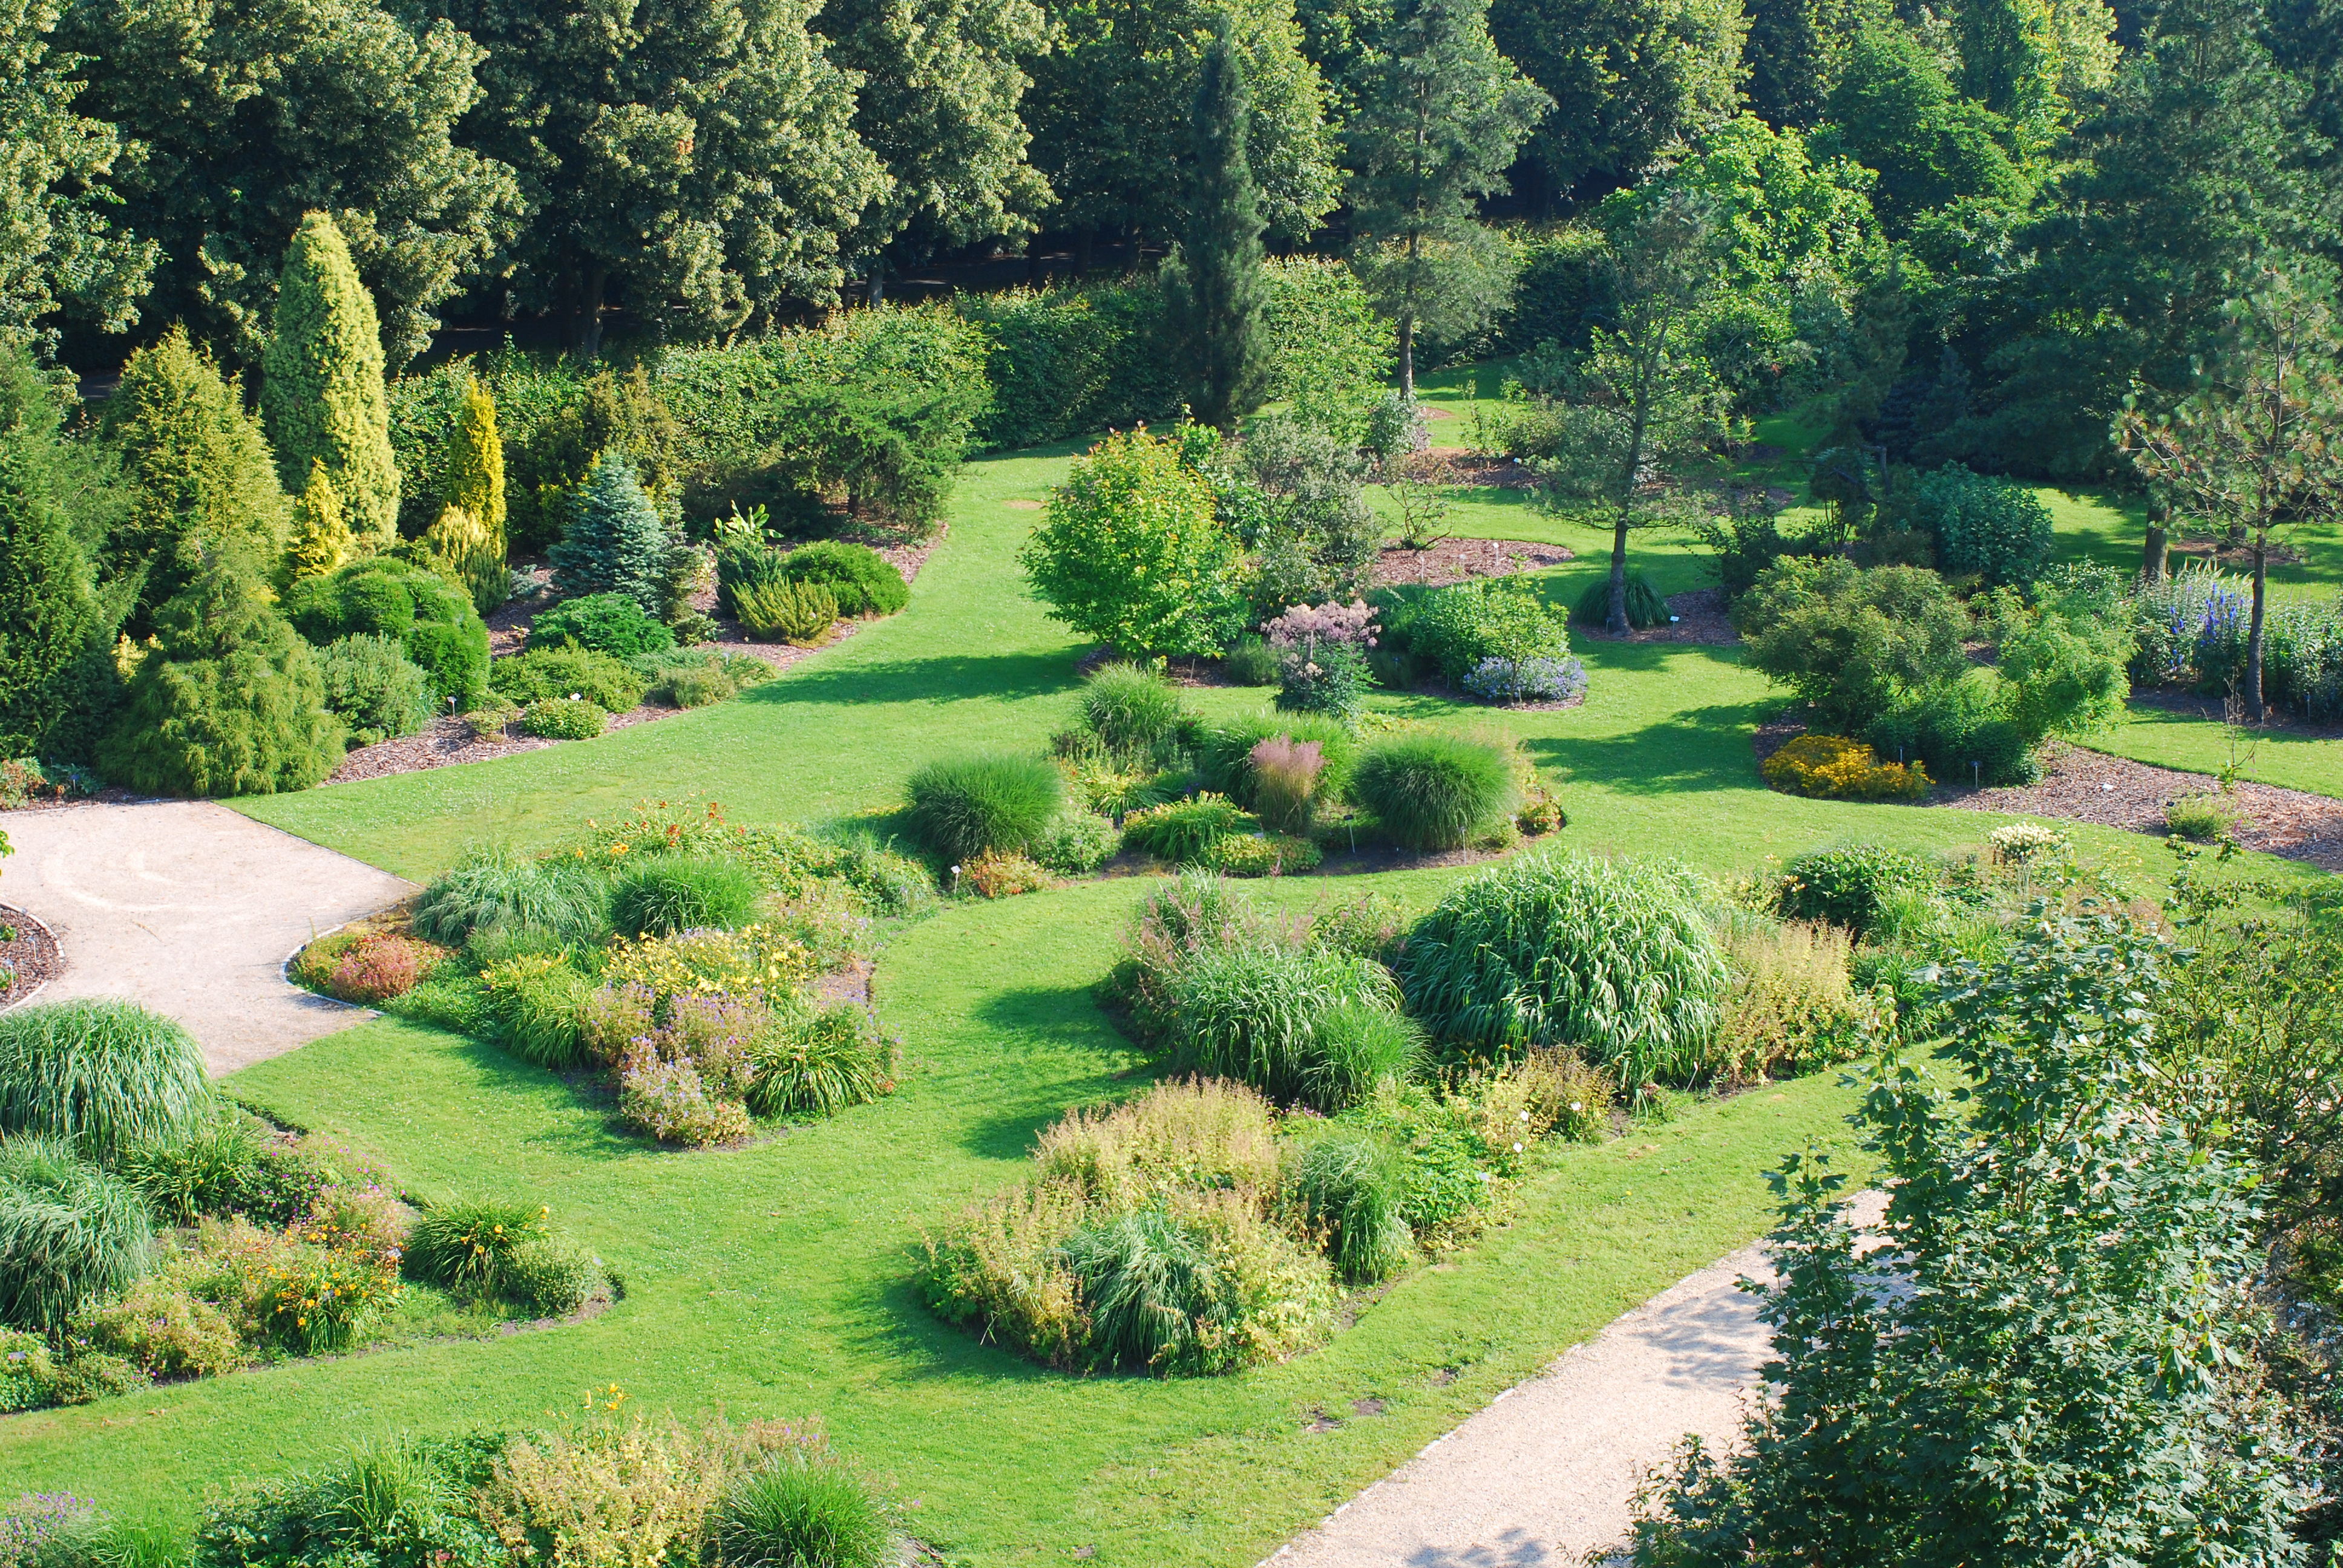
1699,749
942,678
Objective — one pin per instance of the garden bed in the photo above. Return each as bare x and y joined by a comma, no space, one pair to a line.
2085,786
29,956
1462,560
1699,614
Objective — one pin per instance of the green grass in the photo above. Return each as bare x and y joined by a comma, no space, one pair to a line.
778,1280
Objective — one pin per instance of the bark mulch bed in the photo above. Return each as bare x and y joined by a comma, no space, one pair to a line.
2214,709
1447,467
1699,618
1462,560
452,740
29,957
2083,786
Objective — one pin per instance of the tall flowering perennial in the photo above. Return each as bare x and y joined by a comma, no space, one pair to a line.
1321,656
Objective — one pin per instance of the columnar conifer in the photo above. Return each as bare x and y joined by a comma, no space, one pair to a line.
322,390
1213,286
321,534
47,614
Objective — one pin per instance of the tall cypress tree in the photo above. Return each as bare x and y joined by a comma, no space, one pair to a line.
48,616
1212,285
322,391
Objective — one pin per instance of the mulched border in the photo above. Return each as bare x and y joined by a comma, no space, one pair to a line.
1699,619
33,955
1454,560
451,741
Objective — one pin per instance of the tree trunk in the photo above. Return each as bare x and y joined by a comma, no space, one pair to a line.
1130,249
1616,620
589,312
1407,356
878,281
2155,554
2254,636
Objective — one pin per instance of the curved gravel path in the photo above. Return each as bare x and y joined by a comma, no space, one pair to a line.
192,910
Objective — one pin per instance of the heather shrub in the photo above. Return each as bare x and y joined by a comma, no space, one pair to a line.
70,1233
552,718
374,689
559,674
1432,791
2202,818
1351,1189
535,1003
818,1064
961,809
1076,844
611,623
860,580
1613,959
1849,887
1130,710
1184,831
1833,767
102,1074
379,966
671,894
1308,1027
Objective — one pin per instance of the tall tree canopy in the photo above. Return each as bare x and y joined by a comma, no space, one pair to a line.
250,112
695,157
1628,78
1213,288
1109,114
1896,112
1794,54
1442,118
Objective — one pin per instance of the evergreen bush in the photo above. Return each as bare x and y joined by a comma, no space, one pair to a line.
229,702
563,719
1995,527
374,689
858,578
791,612
49,619
469,533
558,674
609,623
432,619
321,533
615,540
321,389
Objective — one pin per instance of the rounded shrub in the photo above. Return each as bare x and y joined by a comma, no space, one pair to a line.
820,1064
556,674
469,1246
1646,604
1434,791
611,623
1076,844
800,1512
660,897
1251,662
1128,709
103,1074
550,1278
70,1234
1299,1026
433,620
1353,1189
1613,959
859,579
1997,528
372,687
975,805
553,718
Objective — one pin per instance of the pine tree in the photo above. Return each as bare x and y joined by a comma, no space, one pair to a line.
201,478
1444,114
321,535
322,391
229,701
1212,286
48,617
616,541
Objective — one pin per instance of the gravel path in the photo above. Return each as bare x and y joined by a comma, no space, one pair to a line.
192,910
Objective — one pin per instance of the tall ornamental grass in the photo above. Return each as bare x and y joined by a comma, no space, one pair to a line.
496,886
70,1234
1129,709
1431,792
975,805
101,1073
1308,1027
1611,958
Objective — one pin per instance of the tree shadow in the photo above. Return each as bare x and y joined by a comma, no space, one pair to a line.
941,678
1698,749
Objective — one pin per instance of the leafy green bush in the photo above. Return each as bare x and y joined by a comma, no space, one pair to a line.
1611,958
1133,554
799,1513
433,620
671,894
103,1074
859,579
1434,791
70,1234
1131,711
962,809
496,886
1849,887
374,689
33,1375
2202,818
2065,662
1456,628
1076,844
1310,1027
1646,604
556,674
469,1246
1353,1189
229,702
820,1064
552,718
1995,527
1961,729
1262,855
549,1278
1183,832
1857,644
697,687
1791,1008
1251,662
611,623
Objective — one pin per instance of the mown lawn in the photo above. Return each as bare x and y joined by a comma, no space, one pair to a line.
778,1280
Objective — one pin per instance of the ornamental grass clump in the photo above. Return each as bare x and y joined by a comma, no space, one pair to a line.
1130,710
1183,832
492,886
70,1233
1431,792
961,809
102,1074
466,1246
667,894
1285,782
820,1064
1225,763
1353,1188
1612,958
1306,1025
804,1512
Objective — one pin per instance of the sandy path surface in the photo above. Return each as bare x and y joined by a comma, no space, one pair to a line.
192,910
